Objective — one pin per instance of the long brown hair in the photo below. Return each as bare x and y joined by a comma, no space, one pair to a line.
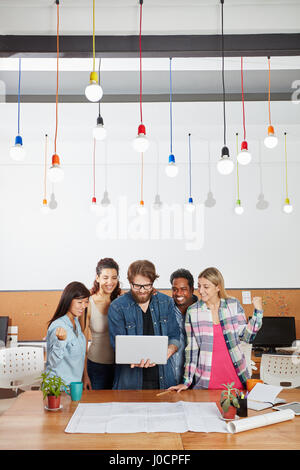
74,290
213,275
106,263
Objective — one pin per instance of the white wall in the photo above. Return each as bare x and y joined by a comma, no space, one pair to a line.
257,249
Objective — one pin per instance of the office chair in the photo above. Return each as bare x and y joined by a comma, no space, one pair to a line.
279,370
20,367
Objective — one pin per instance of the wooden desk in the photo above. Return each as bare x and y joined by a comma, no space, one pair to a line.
27,425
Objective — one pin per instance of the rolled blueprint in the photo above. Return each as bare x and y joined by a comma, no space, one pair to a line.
259,421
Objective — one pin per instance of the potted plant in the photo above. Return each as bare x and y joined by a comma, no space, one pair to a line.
229,401
52,386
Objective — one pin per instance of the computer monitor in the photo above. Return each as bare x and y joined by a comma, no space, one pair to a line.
275,332
3,330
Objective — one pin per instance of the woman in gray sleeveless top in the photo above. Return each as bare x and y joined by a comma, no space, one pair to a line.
99,364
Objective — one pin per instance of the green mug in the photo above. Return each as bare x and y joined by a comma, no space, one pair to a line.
75,390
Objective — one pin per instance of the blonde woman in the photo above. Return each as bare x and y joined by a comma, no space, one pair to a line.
99,364
215,326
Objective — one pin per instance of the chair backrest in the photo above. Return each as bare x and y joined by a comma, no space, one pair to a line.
20,366
280,370
247,350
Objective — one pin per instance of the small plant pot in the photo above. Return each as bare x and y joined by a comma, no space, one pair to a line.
53,402
230,414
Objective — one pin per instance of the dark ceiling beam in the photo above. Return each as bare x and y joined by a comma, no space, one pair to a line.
160,98
236,45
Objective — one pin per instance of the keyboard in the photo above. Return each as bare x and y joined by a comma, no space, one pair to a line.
284,352
279,352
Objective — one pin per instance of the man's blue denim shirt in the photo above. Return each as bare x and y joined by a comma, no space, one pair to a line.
125,318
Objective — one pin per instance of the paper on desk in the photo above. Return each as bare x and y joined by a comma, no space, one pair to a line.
263,396
146,417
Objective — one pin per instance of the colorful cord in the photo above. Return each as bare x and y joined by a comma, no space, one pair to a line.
57,61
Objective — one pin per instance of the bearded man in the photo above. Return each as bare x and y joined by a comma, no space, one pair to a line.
144,311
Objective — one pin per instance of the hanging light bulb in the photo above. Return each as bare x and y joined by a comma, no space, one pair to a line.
141,208
225,164
99,131
93,91
190,206
94,206
238,207
56,173
45,209
271,140
171,169
141,143
287,208
244,156
17,152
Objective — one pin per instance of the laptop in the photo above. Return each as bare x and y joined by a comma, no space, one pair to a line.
132,349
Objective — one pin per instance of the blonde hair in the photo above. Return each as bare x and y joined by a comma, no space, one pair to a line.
213,275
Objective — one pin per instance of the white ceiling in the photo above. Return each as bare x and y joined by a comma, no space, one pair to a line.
159,16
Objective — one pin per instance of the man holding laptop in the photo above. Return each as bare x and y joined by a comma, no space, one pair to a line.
144,312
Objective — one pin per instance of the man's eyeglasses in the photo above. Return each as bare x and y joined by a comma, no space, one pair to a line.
139,287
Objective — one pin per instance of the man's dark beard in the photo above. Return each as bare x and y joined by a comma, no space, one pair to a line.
137,299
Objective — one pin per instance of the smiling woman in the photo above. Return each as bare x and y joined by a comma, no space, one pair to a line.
215,326
99,364
65,340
